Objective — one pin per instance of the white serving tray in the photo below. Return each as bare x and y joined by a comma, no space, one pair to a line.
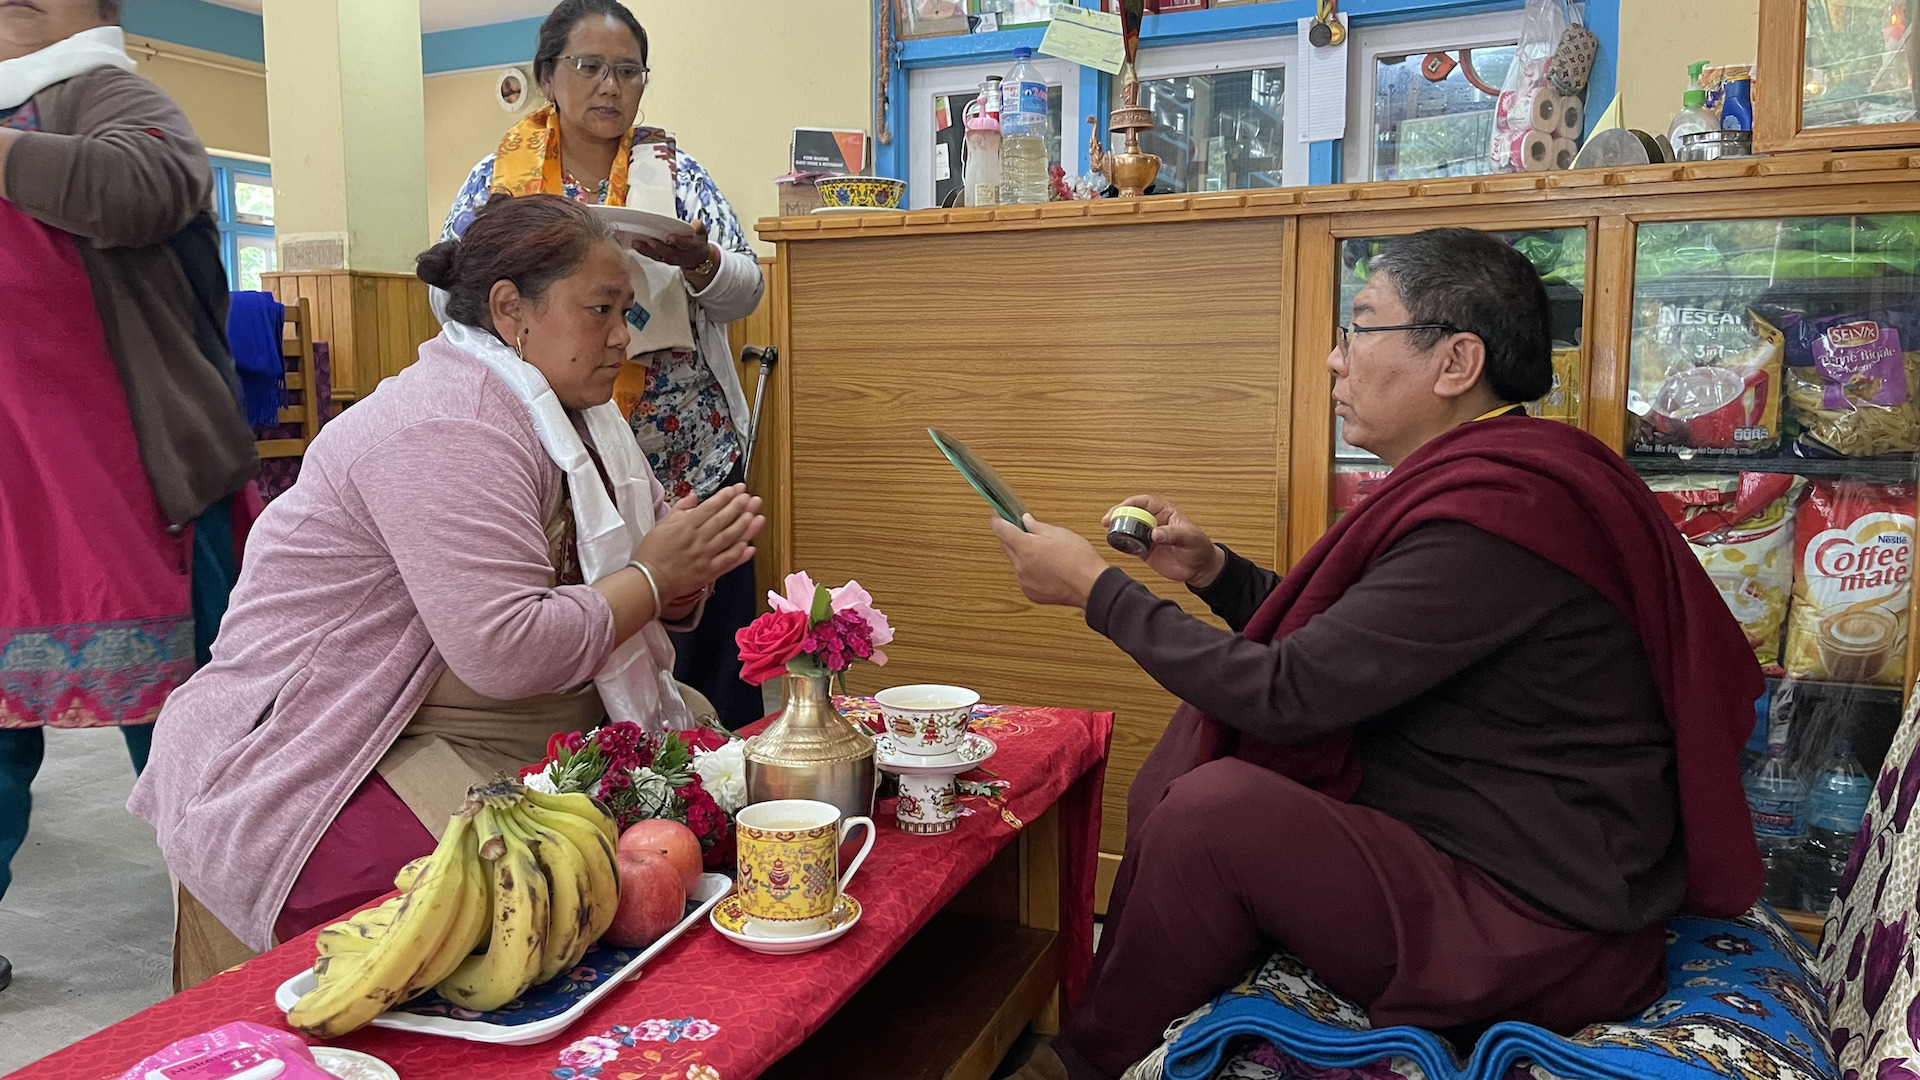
539,1015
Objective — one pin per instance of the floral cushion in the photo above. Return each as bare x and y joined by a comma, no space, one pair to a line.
1744,1001
1868,955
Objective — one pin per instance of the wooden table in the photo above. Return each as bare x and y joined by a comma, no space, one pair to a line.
965,939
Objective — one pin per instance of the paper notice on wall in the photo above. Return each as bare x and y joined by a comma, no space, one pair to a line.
1322,88
942,163
1086,37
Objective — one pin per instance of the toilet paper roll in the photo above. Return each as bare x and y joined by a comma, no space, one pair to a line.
1564,151
1506,152
1536,151
1545,110
1572,121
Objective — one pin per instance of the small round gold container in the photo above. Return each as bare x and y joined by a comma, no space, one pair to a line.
1131,530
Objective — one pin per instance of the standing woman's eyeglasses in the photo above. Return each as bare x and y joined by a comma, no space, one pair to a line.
1347,332
595,68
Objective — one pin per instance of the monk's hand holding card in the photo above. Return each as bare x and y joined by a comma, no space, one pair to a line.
1181,551
1053,565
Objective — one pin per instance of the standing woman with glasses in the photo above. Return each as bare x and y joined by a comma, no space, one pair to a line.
679,389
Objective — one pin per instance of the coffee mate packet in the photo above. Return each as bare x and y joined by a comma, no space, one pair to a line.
1853,581
1741,530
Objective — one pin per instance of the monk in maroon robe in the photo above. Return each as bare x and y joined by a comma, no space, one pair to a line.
1470,754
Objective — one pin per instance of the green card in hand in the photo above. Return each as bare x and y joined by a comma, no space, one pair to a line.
991,486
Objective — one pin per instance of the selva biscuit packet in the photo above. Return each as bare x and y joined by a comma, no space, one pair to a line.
1852,583
1853,383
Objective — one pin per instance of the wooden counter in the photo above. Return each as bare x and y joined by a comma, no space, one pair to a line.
1173,344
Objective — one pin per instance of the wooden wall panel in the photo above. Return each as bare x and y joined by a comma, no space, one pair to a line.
1086,366
373,323
765,327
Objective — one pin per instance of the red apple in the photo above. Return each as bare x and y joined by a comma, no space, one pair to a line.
652,899
669,838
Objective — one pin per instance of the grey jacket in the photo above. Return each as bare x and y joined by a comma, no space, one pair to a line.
116,163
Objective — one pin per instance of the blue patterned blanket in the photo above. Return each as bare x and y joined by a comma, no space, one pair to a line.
1743,1001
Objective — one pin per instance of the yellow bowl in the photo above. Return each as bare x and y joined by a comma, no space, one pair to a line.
878,192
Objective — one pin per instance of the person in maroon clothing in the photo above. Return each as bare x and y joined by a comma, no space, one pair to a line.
1470,754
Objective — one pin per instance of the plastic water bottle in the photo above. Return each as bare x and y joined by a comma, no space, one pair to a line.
1756,747
1023,133
1778,802
982,172
1840,795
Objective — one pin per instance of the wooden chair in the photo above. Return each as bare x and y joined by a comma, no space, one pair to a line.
297,346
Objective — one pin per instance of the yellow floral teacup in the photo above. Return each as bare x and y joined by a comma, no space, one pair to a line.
789,864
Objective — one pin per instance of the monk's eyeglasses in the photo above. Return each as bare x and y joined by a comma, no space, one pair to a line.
595,68
1347,332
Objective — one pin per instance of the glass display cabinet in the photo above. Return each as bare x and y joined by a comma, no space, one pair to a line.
1835,74
1773,405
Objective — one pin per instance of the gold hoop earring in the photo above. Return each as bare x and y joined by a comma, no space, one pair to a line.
520,345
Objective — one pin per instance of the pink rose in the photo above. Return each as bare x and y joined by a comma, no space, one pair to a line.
799,594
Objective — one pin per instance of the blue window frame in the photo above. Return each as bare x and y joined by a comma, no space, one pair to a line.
243,199
1273,19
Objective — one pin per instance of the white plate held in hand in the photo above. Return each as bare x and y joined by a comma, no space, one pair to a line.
640,223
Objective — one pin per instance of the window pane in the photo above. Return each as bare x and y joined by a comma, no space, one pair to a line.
257,256
253,200
950,134
1219,132
1424,127
1860,62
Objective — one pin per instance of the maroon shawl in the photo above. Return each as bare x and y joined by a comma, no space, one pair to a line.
1562,495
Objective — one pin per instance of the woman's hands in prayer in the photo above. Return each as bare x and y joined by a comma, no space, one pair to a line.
689,251
1053,565
693,546
1181,551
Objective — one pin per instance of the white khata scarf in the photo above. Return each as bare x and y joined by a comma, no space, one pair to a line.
636,683
25,76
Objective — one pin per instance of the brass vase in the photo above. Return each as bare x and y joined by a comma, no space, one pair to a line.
810,751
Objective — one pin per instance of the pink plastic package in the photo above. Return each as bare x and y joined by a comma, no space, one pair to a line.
238,1051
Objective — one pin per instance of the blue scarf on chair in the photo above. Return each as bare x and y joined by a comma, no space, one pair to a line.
254,324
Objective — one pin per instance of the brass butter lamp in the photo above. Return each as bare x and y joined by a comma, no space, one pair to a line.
1127,168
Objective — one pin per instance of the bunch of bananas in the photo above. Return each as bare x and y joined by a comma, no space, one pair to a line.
520,887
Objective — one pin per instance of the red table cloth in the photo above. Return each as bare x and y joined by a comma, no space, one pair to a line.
707,1009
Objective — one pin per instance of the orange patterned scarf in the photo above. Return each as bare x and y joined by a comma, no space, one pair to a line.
528,160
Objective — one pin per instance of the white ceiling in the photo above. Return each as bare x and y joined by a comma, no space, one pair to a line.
449,14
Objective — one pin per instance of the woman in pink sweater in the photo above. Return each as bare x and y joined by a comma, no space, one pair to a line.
474,557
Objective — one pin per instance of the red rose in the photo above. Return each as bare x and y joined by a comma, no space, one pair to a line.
768,642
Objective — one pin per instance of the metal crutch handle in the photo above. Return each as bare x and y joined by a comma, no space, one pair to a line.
767,357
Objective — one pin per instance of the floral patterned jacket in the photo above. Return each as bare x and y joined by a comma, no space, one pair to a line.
694,441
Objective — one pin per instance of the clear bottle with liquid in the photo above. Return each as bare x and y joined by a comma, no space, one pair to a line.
1777,801
1839,801
1694,117
982,171
1023,133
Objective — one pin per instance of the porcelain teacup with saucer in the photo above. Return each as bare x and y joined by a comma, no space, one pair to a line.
731,919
